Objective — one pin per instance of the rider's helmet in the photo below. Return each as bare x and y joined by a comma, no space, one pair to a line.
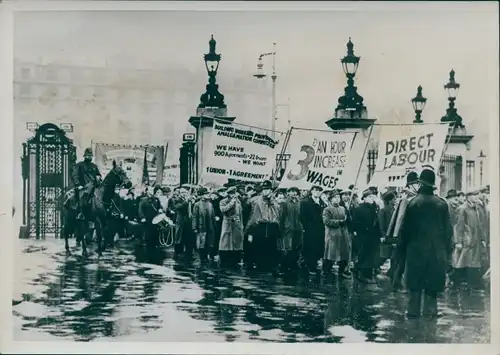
87,153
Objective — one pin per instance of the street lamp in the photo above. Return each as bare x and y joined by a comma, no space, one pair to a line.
451,112
481,157
351,103
212,96
418,103
261,75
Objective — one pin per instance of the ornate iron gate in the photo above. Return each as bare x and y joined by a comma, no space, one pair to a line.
453,172
47,161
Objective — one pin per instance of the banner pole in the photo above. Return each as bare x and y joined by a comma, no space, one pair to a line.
360,164
283,150
446,144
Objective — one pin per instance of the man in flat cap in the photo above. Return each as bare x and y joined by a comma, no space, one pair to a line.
291,227
231,239
367,239
263,229
203,222
311,217
470,239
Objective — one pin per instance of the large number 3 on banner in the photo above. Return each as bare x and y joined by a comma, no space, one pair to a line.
304,164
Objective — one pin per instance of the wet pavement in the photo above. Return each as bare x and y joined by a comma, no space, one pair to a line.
123,296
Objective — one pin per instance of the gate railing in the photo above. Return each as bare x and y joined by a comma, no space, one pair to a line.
47,161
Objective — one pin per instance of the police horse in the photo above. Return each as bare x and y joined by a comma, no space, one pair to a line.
96,210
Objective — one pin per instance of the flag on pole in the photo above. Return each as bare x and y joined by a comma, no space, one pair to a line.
145,171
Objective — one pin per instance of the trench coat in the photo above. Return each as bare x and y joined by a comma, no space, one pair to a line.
367,239
469,233
426,238
231,238
337,240
290,225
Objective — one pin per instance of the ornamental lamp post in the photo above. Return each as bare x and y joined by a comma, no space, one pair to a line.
451,112
418,103
481,157
350,105
211,58
261,75
350,63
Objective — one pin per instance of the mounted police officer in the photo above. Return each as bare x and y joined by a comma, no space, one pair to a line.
85,177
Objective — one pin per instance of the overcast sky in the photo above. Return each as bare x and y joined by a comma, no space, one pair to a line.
399,50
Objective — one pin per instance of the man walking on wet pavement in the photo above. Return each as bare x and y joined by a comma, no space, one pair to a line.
469,242
264,230
311,216
85,176
426,240
203,224
393,233
231,238
291,229
184,239
367,238
149,208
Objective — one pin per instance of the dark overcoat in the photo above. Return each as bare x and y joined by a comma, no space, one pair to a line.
367,239
426,237
311,217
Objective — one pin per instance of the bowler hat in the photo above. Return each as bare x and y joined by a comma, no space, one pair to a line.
427,178
202,191
267,185
88,151
411,178
451,193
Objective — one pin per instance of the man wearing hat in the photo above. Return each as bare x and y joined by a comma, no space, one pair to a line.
203,221
292,229
263,230
394,229
367,238
470,241
184,237
231,239
85,176
384,218
427,241
311,216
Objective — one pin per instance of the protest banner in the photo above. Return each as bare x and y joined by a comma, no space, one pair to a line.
407,148
239,152
131,157
171,175
317,158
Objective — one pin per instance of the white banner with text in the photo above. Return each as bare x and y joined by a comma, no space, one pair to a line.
240,153
318,158
406,148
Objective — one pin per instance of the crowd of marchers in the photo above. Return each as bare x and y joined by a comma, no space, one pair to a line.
429,242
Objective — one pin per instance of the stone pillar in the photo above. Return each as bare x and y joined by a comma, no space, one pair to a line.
203,123
458,145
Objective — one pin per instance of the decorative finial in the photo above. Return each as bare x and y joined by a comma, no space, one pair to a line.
350,47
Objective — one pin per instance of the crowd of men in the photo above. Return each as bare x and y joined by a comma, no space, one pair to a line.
430,242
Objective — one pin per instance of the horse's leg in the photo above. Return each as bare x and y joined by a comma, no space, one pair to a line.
82,230
66,237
